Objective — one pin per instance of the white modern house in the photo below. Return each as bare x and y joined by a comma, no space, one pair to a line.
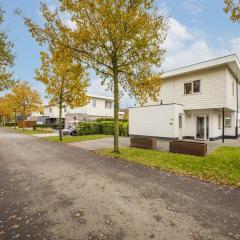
98,107
201,101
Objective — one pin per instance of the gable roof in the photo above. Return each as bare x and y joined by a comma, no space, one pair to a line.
231,61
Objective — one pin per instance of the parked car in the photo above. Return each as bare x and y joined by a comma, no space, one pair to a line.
70,131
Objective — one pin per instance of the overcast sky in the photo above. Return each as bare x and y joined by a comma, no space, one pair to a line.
199,30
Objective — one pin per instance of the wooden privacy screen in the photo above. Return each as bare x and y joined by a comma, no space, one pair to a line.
191,148
27,124
149,143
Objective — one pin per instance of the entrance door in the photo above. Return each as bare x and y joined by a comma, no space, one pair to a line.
202,127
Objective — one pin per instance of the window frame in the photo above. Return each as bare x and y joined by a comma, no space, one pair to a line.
230,118
94,102
108,102
199,86
192,87
185,93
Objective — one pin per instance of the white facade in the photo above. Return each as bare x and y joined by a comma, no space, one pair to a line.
203,90
98,106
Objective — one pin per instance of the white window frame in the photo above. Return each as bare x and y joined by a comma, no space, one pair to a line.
192,88
94,102
108,102
230,123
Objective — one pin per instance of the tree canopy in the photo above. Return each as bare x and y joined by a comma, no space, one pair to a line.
120,39
6,57
233,7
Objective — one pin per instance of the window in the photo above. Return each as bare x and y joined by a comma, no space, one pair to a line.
219,122
50,110
227,121
65,110
94,102
196,86
180,121
108,104
187,88
233,88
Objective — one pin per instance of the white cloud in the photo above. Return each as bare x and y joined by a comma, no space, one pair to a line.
185,46
192,7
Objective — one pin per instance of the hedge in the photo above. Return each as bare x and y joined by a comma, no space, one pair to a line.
110,119
103,127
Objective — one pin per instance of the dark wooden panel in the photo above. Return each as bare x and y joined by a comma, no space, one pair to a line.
149,143
186,147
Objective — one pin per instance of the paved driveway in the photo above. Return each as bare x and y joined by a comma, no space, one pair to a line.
54,191
101,143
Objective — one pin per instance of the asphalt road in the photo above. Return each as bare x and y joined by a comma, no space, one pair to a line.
55,191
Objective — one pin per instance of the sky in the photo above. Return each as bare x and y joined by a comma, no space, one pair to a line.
199,30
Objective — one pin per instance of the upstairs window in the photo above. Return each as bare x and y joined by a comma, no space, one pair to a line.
196,86
108,104
94,102
188,88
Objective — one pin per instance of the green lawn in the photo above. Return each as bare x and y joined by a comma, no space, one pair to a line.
222,166
70,139
30,132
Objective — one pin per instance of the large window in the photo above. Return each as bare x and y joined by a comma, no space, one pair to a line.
188,88
108,104
192,87
94,102
196,86
228,121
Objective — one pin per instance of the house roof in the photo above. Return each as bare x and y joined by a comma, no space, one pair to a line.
101,97
231,61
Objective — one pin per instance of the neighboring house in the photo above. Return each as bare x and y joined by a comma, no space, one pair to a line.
98,107
200,101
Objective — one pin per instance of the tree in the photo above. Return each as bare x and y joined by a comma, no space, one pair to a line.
6,58
233,7
5,110
120,39
25,99
65,80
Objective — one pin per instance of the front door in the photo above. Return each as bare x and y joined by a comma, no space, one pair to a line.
202,127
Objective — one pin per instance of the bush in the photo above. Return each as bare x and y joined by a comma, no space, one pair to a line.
88,128
9,124
110,119
102,127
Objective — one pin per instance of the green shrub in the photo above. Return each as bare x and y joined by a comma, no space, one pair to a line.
110,119
88,128
102,127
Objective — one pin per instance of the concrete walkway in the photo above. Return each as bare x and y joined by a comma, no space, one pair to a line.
101,143
46,135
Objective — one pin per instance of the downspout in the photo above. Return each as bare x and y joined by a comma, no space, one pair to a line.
223,130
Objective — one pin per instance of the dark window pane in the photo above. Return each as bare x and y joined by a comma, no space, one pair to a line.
187,88
196,86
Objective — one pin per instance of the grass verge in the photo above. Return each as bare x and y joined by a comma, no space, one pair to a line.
70,139
221,166
30,132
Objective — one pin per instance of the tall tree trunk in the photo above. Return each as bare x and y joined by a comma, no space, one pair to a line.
60,122
116,110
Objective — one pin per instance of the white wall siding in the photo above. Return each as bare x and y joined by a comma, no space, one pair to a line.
155,121
231,97
213,89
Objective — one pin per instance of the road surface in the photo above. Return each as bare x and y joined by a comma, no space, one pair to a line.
56,191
